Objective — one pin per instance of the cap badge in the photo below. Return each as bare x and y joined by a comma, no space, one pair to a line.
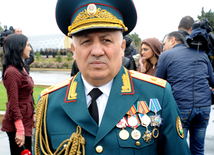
91,9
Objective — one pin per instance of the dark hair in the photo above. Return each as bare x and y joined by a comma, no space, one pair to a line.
186,22
13,47
178,36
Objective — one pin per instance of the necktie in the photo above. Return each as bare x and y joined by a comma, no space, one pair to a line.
93,110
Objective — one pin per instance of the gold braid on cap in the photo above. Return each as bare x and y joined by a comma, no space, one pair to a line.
100,18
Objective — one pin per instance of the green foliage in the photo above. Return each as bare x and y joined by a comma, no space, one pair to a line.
3,97
210,17
58,57
38,56
69,56
1,27
136,40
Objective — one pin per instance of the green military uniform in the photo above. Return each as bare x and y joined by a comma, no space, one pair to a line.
67,109
140,117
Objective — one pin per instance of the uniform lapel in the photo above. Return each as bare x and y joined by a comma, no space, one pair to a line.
117,106
77,109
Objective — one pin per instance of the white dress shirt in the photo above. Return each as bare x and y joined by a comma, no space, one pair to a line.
101,100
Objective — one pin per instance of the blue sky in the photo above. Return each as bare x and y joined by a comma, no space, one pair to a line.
155,17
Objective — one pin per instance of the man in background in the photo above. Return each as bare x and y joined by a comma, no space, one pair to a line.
29,60
185,26
190,74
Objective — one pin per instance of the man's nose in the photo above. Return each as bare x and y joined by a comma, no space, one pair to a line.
97,49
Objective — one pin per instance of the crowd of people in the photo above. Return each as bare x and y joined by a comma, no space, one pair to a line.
110,104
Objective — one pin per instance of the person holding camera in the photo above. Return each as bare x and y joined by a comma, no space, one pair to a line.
185,26
190,74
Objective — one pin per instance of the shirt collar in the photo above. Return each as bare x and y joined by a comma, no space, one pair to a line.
105,88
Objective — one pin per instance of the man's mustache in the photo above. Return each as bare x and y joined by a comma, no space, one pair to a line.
98,59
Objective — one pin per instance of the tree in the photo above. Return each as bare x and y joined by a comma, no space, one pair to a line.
136,40
1,27
210,17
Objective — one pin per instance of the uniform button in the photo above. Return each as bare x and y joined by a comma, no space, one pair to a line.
137,143
99,149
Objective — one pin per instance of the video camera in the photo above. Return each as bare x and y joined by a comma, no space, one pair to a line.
5,33
202,36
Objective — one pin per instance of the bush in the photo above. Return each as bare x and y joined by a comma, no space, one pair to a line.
58,57
38,56
46,64
69,56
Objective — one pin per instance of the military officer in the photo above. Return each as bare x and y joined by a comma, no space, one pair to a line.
105,108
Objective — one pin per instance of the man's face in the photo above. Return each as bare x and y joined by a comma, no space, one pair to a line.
18,31
167,44
99,55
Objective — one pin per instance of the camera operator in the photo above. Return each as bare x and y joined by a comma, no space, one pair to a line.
190,73
5,33
185,26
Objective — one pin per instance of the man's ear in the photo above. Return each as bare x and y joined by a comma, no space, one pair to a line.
123,47
173,41
73,50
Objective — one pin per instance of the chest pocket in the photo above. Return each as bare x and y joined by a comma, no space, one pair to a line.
136,146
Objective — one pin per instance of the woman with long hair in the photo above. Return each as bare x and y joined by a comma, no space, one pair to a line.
19,117
150,51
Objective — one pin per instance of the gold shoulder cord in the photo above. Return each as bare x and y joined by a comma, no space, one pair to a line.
73,145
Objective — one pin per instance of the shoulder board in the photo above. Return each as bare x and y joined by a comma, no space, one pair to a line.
148,78
56,87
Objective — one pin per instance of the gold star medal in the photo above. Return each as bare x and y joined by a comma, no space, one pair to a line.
147,136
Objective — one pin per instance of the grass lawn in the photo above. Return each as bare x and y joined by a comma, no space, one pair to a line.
3,95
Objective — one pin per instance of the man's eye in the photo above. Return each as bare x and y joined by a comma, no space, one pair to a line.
107,40
85,41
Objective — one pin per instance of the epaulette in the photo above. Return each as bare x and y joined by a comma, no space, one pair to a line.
148,78
56,87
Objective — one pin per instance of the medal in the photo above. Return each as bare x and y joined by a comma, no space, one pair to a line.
122,123
142,107
155,133
134,122
154,106
145,120
132,111
136,134
124,134
147,136
156,120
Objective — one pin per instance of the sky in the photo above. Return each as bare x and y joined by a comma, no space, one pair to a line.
155,17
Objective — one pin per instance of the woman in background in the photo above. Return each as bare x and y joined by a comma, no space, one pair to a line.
19,117
150,51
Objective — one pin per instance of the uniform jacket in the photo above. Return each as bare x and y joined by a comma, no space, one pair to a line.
67,108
